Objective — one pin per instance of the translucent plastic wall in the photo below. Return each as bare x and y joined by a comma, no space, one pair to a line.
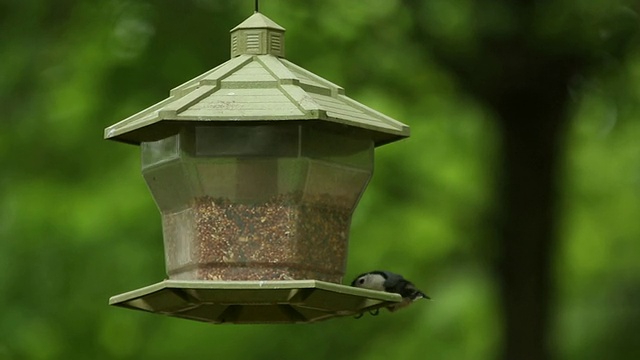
257,202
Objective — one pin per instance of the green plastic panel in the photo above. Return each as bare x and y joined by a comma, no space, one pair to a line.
254,302
257,85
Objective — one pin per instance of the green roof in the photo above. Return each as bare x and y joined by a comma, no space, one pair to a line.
257,85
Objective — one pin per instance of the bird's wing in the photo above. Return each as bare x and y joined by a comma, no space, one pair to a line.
392,281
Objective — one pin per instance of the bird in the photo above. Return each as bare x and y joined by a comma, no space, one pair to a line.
392,283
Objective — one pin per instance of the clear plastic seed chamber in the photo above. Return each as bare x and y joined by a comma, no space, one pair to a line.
256,167
257,202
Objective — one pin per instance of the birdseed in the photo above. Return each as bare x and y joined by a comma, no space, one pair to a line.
283,238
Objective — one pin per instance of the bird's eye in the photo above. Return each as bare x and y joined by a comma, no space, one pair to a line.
361,281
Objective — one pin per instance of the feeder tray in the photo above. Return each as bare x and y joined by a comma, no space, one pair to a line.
254,302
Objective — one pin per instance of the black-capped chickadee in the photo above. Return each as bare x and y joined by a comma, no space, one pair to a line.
390,282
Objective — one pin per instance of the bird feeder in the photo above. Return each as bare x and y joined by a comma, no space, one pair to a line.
256,167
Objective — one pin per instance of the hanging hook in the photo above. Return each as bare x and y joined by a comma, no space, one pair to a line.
257,6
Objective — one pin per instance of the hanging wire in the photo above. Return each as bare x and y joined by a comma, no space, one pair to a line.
257,6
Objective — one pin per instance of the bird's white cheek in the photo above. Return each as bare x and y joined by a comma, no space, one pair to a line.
378,287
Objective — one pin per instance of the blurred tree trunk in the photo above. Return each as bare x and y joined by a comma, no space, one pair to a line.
528,218
524,81
522,71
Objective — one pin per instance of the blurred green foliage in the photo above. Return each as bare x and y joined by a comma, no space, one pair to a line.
78,225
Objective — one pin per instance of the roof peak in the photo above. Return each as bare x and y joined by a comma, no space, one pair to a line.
258,21
257,35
